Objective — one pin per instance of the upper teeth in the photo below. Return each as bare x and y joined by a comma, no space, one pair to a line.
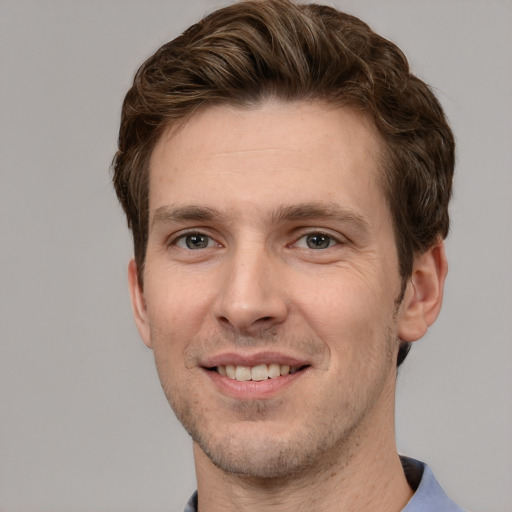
260,372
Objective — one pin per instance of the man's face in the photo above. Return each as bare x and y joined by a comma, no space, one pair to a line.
271,249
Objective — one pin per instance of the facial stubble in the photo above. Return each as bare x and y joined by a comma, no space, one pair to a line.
249,445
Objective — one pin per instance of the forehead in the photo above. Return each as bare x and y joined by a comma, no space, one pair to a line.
274,153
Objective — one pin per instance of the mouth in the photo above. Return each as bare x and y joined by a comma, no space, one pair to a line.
258,373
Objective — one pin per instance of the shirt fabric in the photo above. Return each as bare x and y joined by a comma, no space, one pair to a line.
428,495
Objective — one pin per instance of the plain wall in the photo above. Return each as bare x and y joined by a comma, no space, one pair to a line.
84,425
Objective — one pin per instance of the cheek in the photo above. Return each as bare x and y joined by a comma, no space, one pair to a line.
176,304
352,319
341,301
178,310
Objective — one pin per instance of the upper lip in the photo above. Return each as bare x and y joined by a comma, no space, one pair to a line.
238,359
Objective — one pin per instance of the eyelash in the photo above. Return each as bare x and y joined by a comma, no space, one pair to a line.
183,237
331,240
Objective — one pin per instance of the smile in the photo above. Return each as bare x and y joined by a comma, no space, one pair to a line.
256,373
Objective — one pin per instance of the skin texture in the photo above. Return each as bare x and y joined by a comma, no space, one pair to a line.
257,188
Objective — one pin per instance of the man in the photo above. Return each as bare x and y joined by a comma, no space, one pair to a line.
286,180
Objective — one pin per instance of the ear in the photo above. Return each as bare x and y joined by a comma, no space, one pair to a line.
138,304
424,294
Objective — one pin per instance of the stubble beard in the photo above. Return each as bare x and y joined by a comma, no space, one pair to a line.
322,440
269,455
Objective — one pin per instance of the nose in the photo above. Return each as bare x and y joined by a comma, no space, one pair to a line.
252,297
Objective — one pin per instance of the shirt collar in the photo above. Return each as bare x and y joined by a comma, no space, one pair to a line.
428,495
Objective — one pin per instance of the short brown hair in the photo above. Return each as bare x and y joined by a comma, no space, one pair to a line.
252,50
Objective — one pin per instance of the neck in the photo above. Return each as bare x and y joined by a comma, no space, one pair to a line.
363,474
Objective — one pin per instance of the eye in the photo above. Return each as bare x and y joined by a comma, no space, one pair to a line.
194,241
316,241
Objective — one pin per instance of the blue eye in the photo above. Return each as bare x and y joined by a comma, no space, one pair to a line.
316,241
194,241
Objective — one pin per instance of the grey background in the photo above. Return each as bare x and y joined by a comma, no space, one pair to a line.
84,425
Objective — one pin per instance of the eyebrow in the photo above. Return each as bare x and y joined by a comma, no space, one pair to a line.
300,212
327,211
167,213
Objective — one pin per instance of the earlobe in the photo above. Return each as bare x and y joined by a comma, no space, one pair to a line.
138,304
424,293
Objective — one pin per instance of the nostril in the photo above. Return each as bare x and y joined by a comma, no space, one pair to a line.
264,325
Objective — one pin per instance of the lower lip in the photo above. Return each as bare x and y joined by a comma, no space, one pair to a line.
251,389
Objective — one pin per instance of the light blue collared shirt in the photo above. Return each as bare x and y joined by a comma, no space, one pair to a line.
428,496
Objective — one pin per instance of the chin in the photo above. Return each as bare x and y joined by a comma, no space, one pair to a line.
264,449
262,458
